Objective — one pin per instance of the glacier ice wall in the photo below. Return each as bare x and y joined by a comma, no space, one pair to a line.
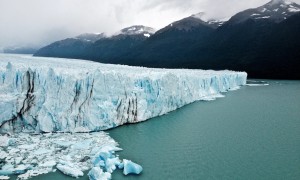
64,95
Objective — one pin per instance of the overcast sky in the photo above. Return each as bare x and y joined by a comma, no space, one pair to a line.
39,22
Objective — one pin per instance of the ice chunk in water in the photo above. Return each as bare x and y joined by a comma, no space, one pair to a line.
96,173
131,167
70,171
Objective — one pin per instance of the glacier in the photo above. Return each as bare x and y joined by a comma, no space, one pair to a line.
39,95
52,109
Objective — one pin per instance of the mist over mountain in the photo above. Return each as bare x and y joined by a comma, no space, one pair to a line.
19,50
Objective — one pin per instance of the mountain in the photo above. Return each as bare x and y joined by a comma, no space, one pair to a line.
67,48
213,23
112,49
70,47
265,45
171,43
98,47
19,50
137,30
275,10
262,41
90,36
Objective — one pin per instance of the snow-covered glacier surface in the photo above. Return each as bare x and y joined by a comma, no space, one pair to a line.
65,95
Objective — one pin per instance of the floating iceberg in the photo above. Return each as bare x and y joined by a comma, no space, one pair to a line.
64,95
4,177
104,162
131,167
97,174
106,159
69,170
256,83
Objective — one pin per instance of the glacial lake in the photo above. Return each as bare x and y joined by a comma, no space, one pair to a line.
252,133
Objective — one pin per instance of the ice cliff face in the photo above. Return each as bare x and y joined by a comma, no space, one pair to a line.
63,95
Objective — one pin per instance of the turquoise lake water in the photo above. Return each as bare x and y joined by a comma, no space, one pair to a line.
252,133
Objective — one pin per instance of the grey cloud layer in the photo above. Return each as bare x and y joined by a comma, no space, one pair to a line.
38,22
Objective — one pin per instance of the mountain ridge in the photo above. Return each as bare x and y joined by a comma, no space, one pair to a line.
248,41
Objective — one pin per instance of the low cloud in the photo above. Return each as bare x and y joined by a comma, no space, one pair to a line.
39,22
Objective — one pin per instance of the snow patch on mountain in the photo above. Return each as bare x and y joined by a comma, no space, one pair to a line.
264,17
136,30
293,9
91,37
263,10
275,7
211,21
276,11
